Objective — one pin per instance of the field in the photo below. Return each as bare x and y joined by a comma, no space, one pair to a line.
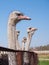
43,62
43,59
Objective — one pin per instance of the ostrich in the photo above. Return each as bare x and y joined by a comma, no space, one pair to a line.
25,54
30,32
14,18
23,43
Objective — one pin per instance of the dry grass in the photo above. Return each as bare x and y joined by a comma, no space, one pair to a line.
44,56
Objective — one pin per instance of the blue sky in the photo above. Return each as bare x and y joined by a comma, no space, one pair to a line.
38,10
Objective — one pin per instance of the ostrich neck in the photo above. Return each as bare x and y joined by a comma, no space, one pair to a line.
17,43
28,41
29,35
23,46
29,38
11,35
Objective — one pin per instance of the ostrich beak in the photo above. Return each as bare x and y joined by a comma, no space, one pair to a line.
22,17
26,18
34,29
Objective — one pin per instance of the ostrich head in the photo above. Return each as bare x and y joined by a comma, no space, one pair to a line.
31,30
16,16
17,32
24,39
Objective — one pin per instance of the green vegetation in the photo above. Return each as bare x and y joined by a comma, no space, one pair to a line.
42,62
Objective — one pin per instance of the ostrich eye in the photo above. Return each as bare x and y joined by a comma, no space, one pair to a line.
18,14
17,31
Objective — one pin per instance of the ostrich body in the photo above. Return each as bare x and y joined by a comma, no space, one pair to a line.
14,18
30,32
